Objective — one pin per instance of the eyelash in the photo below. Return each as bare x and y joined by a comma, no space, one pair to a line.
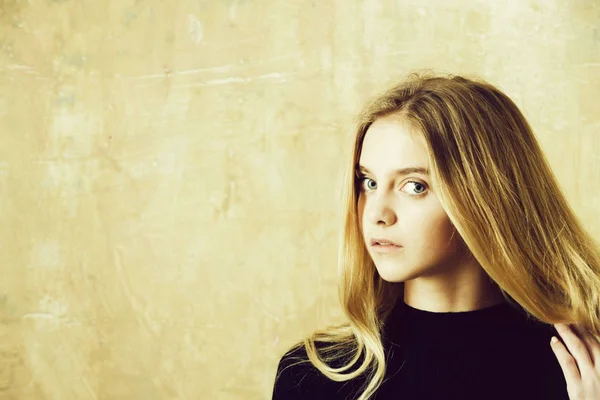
360,178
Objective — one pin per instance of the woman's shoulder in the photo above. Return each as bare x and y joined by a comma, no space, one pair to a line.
535,329
298,378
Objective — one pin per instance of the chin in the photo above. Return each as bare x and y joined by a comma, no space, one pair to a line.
393,273
393,279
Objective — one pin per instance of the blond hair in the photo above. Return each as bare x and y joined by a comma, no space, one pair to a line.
498,190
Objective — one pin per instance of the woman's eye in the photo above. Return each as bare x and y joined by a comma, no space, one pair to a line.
362,180
371,184
418,186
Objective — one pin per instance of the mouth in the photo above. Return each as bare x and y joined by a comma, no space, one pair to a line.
381,242
380,246
386,248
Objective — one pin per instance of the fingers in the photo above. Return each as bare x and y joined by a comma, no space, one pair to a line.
577,347
567,362
591,343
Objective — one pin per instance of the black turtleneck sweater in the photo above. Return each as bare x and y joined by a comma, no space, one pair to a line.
497,352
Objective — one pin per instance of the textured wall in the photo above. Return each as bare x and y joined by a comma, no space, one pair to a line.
168,170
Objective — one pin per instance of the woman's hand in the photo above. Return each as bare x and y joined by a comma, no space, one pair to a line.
579,361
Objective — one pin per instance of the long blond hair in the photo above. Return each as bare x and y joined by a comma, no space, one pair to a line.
498,190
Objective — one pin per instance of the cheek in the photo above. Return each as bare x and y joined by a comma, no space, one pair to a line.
444,237
433,230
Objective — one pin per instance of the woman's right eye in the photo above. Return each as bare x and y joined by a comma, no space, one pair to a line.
370,183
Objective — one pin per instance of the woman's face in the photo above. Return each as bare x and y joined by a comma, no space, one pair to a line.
402,207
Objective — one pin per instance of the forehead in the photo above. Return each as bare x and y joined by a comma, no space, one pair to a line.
390,143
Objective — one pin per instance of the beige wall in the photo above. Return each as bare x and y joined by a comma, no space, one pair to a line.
169,168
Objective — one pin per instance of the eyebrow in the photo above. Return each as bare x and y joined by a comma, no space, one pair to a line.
400,171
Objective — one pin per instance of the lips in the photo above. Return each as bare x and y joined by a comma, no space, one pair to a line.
382,242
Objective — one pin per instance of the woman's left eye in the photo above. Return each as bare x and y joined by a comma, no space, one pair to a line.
417,185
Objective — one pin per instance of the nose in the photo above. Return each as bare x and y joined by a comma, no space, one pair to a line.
380,210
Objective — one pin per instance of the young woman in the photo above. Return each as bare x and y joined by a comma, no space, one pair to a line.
459,253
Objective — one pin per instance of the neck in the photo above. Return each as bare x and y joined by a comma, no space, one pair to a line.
462,289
